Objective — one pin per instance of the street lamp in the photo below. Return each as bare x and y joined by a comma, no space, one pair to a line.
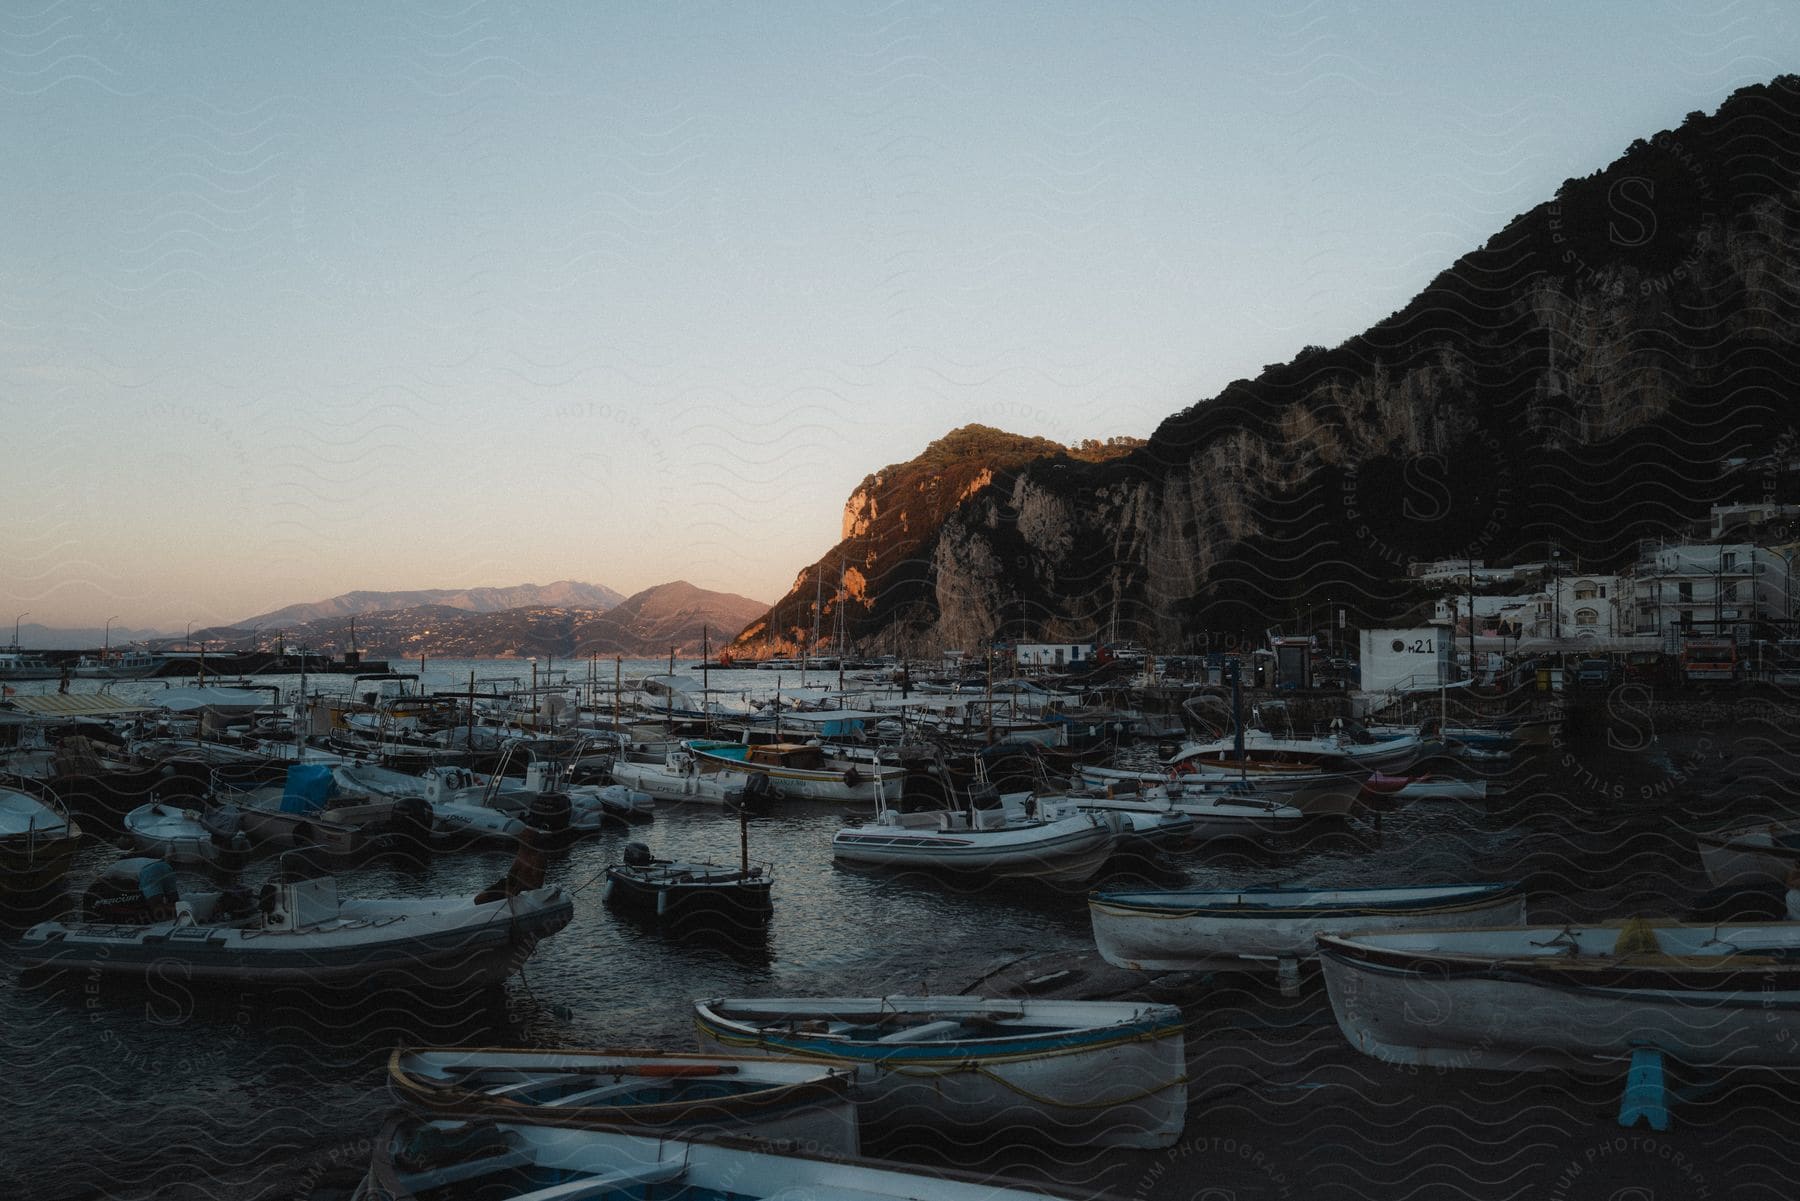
16,622
190,636
106,638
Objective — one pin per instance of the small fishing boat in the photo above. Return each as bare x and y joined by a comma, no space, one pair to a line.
803,770
1238,811
1013,836
1747,854
37,840
1190,930
441,1160
682,776
1430,787
685,1095
183,836
1544,997
1109,1073
308,809
711,892
302,932
1314,793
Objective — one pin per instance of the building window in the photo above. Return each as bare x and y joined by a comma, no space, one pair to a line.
1603,592
1728,562
1684,592
1584,591
1586,617
1687,617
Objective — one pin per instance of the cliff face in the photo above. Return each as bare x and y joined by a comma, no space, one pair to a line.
1578,383
877,583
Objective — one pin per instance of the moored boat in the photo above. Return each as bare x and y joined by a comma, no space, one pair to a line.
183,836
726,896
1748,854
1189,930
803,770
302,932
1544,997
1109,1073
685,1095
1018,836
37,840
438,1160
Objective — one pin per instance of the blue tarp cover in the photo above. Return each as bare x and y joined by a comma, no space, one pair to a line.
307,789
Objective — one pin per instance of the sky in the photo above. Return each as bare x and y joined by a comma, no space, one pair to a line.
298,299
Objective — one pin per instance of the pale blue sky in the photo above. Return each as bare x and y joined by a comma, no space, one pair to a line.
305,298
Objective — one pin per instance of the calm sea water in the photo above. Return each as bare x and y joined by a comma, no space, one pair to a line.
120,1091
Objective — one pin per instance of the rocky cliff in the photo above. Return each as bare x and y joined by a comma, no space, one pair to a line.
1580,381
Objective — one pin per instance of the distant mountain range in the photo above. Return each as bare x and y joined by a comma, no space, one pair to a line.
648,623
562,594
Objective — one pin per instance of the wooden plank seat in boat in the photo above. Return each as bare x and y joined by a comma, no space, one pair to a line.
595,1186
929,1032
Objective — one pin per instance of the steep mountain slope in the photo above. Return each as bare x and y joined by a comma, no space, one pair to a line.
879,572
1578,382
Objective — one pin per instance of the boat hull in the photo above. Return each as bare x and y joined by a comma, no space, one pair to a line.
1070,850
731,902
458,944
807,1104
1119,1084
1513,1014
1746,856
1193,931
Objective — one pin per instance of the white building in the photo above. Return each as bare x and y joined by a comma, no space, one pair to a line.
1709,584
1400,659
1054,654
1727,518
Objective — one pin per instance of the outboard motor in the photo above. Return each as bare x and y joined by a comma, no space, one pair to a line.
637,855
135,891
985,797
409,829
549,812
755,796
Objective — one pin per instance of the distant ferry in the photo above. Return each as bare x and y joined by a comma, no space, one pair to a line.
786,663
117,666
15,664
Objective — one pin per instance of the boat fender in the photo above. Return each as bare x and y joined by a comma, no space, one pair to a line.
852,777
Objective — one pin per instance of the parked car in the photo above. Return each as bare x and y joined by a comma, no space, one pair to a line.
1653,668
1595,674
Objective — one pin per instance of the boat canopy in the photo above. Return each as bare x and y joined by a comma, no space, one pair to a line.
225,700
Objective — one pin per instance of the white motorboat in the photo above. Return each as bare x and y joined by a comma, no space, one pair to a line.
1016,836
434,1161
1313,792
181,836
1716,995
1191,930
686,1095
1109,1073
303,932
681,776
37,840
1237,811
